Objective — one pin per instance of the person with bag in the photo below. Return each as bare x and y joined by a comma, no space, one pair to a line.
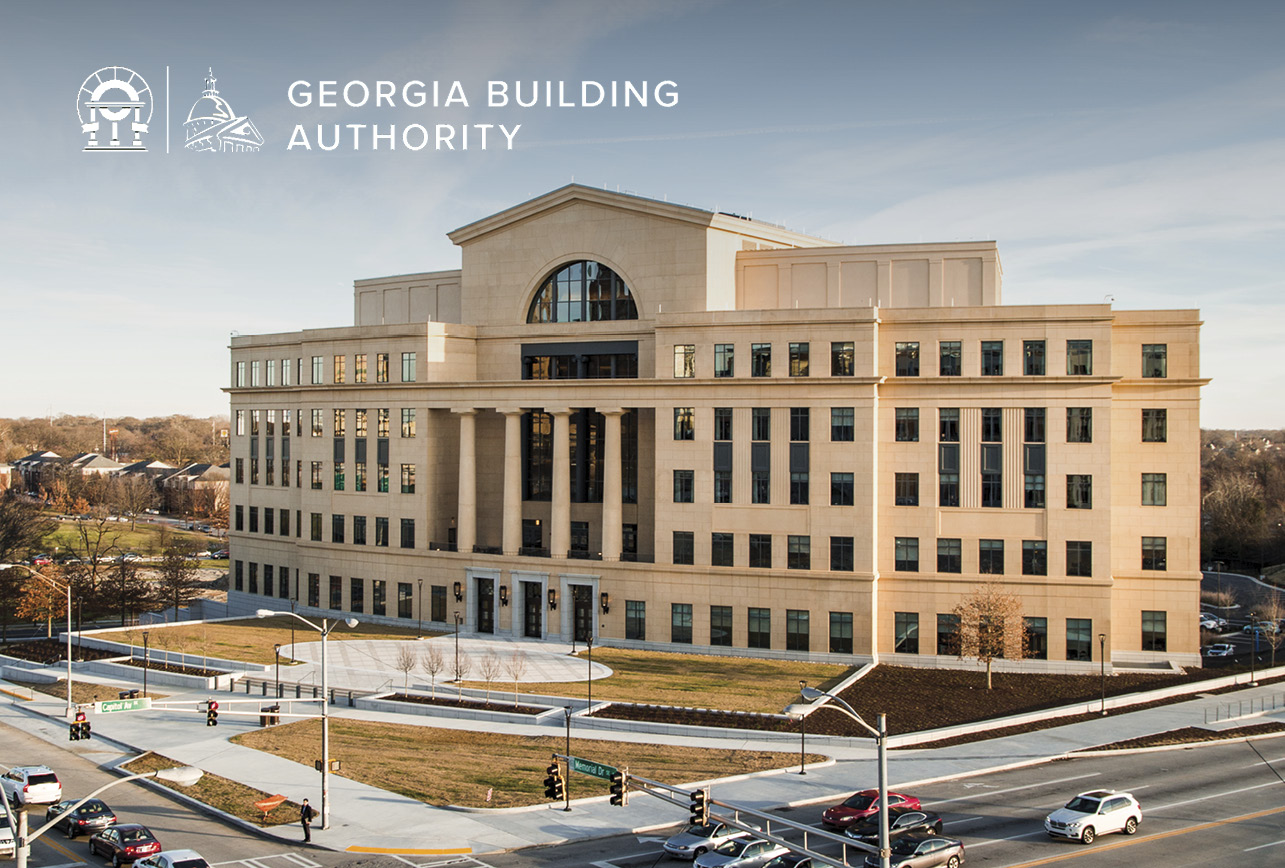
306,813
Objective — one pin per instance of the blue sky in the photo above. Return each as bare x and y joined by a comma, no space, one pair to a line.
1131,150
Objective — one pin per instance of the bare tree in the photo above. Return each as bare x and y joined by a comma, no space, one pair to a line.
22,527
991,626
180,580
11,584
1270,610
132,495
41,601
432,661
516,667
406,661
490,666
460,669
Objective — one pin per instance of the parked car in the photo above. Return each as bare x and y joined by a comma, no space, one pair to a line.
220,555
125,842
740,853
695,840
31,785
1262,628
922,851
7,844
1094,813
90,817
1218,649
790,860
1209,621
901,821
42,560
863,804
173,859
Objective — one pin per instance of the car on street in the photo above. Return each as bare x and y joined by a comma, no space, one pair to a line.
125,842
1209,621
863,804
31,785
7,845
42,560
901,821
90,817
1097,812
922,851
1262,628
220,555
173,859
698,839
1218,649
740,853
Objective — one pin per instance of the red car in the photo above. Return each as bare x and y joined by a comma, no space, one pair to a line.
123,843
864,804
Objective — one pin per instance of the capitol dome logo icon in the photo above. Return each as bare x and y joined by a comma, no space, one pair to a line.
212,125
113,94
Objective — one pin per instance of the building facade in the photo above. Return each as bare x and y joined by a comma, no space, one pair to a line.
670,428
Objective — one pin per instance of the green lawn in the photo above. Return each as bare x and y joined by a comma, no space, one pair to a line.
144,539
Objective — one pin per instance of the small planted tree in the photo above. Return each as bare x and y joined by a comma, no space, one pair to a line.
516,668
991,626
406,661
432,661
460,669
1270,610
490,666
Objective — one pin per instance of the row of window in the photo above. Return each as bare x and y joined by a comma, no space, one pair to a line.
277,522
266,421
361,480
1079,424
990,554
276,582
1079,635
1079,359
264,373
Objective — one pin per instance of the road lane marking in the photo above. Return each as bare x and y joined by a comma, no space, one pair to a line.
1009,838
1129,842
63,850
302,861
410,851
1152,810
1261,846
989,793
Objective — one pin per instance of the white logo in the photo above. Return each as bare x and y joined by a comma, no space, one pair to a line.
213,126
113,93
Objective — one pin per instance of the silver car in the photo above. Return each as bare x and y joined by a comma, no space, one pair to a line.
741,853
697,840
31,785
173,859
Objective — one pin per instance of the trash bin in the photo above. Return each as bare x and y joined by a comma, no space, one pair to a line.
128,694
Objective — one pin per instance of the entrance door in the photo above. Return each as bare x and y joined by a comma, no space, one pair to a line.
486,605
532,611
582,612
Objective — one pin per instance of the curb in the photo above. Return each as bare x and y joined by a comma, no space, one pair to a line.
1189,745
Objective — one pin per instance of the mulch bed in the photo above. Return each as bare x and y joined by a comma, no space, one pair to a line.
1192,735
162,666
471,704
52,651
696,717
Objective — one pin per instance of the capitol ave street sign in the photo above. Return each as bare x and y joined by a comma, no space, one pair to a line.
597,770
109,705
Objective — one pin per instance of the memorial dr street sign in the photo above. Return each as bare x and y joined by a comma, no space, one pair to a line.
588,767
108,705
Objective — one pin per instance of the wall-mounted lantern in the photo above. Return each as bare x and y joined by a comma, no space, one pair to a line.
553,599
504,595
606,602
459,592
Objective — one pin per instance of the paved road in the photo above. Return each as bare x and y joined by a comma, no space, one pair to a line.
1200,806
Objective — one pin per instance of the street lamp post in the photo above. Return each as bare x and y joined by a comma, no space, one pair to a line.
419,608
1218,565
276,658
324,629
880,733
182,775
589,675
1102,659
66,588
803,735
144,662
1253,651
566,785
458,686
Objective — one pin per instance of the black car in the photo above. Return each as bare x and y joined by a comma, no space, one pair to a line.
901,821
88,818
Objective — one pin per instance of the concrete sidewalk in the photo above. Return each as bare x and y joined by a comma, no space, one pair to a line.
365,817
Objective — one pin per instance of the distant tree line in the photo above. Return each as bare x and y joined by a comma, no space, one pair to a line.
177,440
1242,501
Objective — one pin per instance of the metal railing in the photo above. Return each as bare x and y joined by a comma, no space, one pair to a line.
1245,707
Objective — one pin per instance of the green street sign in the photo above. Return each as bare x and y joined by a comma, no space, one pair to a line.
109,705
597,770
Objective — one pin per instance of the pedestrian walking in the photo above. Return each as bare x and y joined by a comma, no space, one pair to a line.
306,813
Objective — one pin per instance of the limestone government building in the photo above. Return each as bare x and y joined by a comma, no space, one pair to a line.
671,428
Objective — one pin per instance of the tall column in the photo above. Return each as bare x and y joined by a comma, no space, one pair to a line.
512,542
466,521
560,533
611,487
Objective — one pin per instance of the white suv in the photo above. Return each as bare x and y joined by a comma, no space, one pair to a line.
31,785
1095,813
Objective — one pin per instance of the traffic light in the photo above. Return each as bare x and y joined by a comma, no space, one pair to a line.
73,732
84,729
618,788
79,727
554,787
211,713
700,807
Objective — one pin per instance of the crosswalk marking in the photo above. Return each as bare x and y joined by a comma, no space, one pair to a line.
260,861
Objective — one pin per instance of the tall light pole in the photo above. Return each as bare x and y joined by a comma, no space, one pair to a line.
1218,565
324,629
1253,650
880,734
276,658
803,735
566,786
1102,655
459,687
66,588
144,662
419,608
589,675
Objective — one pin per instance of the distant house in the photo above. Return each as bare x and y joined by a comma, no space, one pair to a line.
6,476
91,463
150,469
37,468
183,488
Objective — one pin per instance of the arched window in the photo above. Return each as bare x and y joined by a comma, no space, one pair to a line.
582,291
